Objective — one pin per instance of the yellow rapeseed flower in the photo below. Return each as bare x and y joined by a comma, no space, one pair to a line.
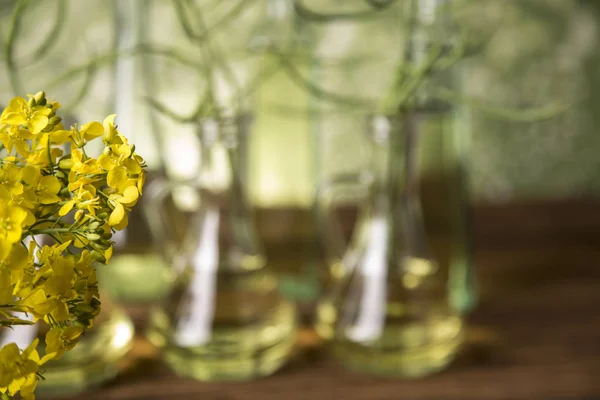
11,219
18,369
46,187
61,339
19,113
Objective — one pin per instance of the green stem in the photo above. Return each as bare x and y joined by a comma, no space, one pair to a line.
208,73
310,15
229,16
421,74
50,231
83,90
41,221
13,32
527,115
204,106
50,39
216,55
316,90
111,56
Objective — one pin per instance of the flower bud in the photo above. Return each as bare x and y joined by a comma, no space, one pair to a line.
80,286
79,215
94,225
84,308
31,102
65,163
95,303
54,120
93,237
97,256
103,215
39,97
98,246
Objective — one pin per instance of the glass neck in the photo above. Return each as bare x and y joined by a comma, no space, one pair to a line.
396,175
223,157
430,29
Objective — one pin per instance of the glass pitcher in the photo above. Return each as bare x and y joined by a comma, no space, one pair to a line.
387,310
224,318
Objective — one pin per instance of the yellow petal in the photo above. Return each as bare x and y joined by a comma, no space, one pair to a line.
92,130
64,210
41,110
132,166
117,215
14,118
14,235
60,136
141,181
37,123
123,224
51,183
34,299
109,121
130,196
76,155
17,104
116,176
108,254
60,311
109,129
5,249
5,194
47,357
6,289
29,219
48,198
6,142
31,175
18,215
106,162
18,257
22,147
123,150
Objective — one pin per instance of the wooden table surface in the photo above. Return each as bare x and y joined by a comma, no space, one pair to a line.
535,334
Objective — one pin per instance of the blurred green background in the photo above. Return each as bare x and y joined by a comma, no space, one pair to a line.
539,52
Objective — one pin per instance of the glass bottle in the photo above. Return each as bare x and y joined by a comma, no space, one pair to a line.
445,134
224,318
446,131
281,187
389,311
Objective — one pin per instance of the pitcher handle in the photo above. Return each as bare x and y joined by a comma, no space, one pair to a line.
341,187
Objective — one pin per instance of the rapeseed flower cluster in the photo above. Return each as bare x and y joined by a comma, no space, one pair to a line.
58,210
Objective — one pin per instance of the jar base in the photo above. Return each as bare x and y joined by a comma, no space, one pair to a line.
231,353
239,367
398,353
